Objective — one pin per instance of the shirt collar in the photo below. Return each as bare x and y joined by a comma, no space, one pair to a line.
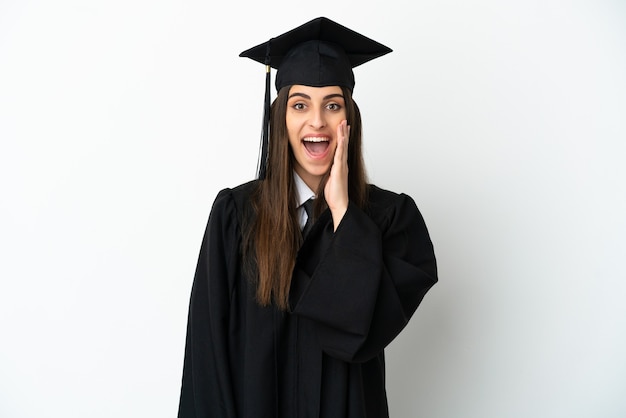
304,192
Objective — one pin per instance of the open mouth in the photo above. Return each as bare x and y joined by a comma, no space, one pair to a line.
316,145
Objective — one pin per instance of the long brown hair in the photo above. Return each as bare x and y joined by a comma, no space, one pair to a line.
274,237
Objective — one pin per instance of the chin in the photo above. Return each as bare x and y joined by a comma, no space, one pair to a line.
318,171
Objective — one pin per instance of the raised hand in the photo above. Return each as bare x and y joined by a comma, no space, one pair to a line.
336,189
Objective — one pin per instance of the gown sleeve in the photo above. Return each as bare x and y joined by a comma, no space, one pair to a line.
369,279
206,383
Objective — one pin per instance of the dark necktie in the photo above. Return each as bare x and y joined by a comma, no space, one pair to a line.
308,207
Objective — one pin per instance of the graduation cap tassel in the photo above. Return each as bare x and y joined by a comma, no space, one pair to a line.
266,118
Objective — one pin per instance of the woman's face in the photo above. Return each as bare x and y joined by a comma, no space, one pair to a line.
313,115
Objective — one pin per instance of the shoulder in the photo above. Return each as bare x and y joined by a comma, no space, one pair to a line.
379,195
383,206
239,195
381,199
235,202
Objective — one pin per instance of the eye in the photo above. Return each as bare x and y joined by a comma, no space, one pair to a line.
333,107
299,106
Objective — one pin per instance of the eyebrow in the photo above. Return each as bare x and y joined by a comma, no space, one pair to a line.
306,96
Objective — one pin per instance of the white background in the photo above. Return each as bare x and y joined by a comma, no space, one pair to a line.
506,121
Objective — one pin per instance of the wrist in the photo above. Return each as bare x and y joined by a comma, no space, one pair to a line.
337,215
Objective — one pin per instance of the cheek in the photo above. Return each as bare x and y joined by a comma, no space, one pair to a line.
294,144
292,135
339,117
292,127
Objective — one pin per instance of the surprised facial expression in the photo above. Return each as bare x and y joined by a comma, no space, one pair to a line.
313,115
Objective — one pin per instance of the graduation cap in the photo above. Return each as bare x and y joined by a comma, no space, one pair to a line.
318,53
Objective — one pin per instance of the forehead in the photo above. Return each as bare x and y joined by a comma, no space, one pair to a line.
316,92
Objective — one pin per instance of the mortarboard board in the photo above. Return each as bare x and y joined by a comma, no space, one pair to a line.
318,53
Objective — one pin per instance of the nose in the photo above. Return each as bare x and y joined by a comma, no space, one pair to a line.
317,120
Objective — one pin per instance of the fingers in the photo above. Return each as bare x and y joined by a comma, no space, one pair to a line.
343,138
336,189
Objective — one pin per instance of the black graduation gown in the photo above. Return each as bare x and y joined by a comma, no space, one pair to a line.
352,292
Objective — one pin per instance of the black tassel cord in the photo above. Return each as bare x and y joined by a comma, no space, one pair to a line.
262,164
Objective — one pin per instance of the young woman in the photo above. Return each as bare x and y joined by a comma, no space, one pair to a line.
291,308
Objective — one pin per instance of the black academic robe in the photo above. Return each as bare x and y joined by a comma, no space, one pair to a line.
353,290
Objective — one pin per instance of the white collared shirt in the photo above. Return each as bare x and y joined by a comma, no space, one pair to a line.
304,194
